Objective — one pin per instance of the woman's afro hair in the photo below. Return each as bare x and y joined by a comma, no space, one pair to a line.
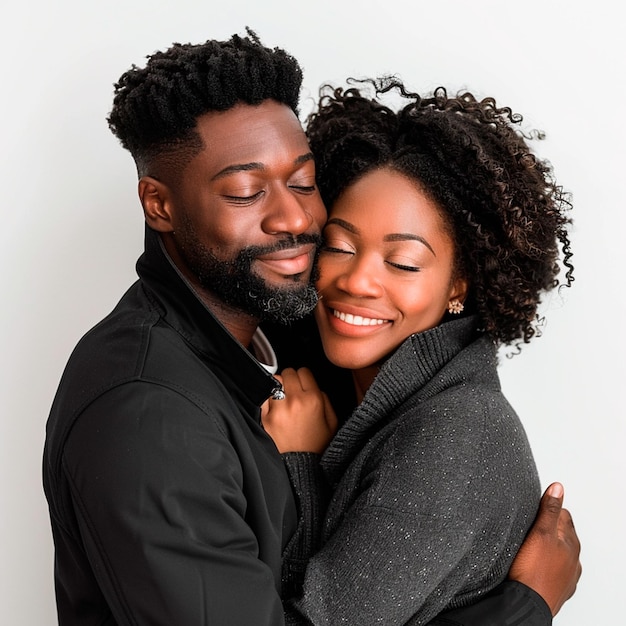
507,215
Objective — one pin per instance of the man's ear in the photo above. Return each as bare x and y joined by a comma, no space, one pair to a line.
157,207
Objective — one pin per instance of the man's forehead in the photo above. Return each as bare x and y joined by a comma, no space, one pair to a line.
246,133
246,119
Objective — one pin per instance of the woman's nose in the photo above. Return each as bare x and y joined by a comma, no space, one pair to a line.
360,278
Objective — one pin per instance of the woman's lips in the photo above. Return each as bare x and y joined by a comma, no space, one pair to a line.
358,320
356,324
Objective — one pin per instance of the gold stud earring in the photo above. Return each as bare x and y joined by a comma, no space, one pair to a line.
455,306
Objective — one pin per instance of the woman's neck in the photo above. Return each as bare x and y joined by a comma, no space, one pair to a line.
363,378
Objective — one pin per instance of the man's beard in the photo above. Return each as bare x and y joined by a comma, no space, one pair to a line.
234,283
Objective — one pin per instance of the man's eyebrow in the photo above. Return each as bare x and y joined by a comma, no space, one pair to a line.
255,165
238,167
391,237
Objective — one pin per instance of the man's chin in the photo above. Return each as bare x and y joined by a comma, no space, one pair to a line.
285,305
281,301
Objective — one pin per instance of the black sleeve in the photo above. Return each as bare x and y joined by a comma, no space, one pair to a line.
163,515
509,604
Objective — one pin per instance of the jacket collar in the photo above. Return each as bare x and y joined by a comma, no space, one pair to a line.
182,309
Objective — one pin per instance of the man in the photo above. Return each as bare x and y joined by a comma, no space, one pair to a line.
169,503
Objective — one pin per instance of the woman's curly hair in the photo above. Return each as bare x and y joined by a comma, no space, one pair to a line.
507,215
156,108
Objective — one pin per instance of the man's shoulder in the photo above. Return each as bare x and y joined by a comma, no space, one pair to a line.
130,358
115,346
134,343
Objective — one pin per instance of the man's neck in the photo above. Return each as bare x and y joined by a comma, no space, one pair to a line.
238,323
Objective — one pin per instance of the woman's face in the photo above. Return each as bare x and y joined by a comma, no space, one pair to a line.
386,269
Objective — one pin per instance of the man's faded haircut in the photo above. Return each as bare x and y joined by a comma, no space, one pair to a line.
156,108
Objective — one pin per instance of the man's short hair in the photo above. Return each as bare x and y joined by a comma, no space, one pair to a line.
156,108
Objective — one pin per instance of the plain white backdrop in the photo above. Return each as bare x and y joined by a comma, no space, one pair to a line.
71,226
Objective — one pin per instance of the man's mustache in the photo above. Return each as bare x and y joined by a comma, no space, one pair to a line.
291,241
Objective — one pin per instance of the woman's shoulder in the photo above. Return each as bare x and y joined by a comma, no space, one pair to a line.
470,425
466,449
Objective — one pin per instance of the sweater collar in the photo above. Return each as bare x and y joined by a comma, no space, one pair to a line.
182,309
405,375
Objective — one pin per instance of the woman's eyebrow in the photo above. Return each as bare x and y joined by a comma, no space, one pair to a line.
410,237
343,224
391,237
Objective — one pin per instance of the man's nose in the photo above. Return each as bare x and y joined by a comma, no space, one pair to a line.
287,213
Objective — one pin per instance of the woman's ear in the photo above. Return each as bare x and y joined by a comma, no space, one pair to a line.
456,298
458,289
155,200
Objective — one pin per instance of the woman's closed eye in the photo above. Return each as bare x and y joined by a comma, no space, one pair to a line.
405,265
334,247
334,250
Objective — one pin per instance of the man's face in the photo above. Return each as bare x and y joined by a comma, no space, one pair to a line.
247,214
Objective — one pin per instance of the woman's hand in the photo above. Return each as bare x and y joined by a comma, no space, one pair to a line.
548,561
304,421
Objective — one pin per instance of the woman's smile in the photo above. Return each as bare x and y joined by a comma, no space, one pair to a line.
386,269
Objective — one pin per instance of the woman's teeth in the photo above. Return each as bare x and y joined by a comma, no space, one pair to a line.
357,320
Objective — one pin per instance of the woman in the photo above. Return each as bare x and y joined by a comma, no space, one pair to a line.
444,232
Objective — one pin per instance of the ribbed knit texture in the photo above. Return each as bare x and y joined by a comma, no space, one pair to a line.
413,366
434,487
312,495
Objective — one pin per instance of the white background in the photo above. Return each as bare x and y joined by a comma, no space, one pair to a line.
71,225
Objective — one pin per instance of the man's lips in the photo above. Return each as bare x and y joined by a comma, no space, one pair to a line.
289,261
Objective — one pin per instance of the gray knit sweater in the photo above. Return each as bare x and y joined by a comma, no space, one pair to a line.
434,488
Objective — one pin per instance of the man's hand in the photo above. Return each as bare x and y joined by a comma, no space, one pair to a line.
548,561
304,420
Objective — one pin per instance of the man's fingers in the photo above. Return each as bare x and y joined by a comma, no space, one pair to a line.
555,490
566,530
550,508
565,519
